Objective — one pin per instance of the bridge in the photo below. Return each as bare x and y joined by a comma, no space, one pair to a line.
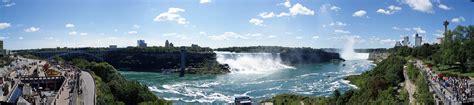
49,55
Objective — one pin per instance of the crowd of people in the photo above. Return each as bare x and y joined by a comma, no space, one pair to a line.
459,87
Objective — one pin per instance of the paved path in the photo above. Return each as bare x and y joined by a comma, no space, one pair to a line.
440,91
88,88
409,86
63,95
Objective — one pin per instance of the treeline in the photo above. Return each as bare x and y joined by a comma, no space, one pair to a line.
303,55
134,49
139,60
378,86
113,89
201,60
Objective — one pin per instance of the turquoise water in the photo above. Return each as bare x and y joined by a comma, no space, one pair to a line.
312,80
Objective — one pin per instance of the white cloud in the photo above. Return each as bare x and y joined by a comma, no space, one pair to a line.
172,15
299,37
395,28
335,8
9,4
83,34
419,30
132,32
299,9
444,7
202,33
315,37
72,33
183,37
388,41
4,25
257,22
326,7
136,26
254,34
170,34
337,23
458,19
32,29
420,5
283,14
407,29
69,25
342,31
359,13
286,4
271,36
227,36
391,10
267,15
439,33
204,1
21,38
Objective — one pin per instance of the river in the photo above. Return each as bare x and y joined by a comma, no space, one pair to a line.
257,75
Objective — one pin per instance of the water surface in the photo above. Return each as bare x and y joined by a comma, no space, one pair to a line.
312,80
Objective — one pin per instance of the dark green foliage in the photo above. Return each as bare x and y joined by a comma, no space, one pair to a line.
303,55
413,73
114,88
423,94
457,49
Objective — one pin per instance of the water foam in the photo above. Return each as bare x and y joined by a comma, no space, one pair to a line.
251,62
348,52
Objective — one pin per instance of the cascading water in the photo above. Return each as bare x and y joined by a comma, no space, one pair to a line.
251,62
348,52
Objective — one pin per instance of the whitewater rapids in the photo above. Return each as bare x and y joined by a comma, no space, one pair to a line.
251,62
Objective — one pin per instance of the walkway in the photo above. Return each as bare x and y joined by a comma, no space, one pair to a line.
88,88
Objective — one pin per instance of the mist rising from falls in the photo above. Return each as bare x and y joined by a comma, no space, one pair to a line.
251,62
348,52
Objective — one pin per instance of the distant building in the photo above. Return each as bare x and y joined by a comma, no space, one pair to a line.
141,43
171,45
112,46
406,41
439,40
195,46
398,44
167,44
2,51
418,40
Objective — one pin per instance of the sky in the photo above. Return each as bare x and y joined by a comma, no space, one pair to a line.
27,24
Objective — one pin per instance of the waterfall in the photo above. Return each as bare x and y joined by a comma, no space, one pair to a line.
348,52
251,62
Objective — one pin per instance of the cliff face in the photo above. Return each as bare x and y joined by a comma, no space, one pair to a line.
291,55
308,56
378,56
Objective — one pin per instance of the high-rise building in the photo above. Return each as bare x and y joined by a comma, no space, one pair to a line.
167,44
417,40
113,46
398,44
406,41
141,43
439,40
171,45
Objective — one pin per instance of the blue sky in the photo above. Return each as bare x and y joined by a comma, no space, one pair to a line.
28,24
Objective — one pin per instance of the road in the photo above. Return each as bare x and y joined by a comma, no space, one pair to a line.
88,88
